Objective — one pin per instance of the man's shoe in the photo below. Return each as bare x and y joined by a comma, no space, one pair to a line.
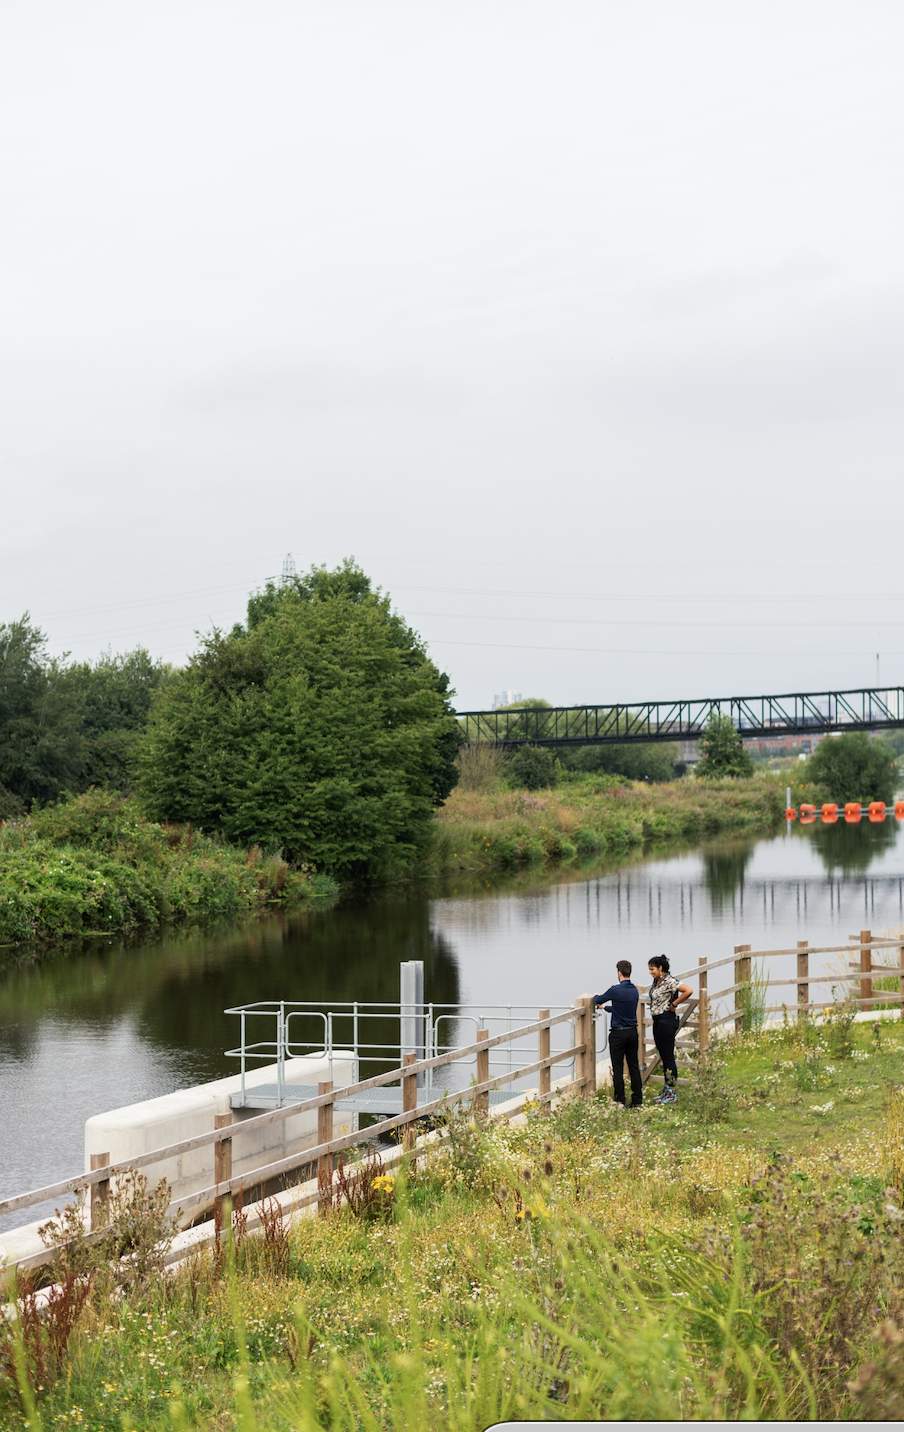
670,1096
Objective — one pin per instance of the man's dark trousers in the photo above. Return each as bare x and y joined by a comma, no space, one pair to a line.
623,1045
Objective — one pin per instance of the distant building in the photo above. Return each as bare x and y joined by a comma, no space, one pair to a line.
506,698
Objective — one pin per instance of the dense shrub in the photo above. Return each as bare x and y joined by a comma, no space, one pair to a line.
533,767
854,767
92,864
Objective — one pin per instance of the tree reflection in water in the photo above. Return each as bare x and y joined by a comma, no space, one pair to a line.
850,849
723,869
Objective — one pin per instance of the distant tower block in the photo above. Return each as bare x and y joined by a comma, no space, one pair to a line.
288,570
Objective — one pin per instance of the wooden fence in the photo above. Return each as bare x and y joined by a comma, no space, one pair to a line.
583,1052
696,1028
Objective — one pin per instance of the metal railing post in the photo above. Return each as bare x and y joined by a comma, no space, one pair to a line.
280,1052
901,981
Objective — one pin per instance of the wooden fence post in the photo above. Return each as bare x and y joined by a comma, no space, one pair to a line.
866,965
546,1049
585,1059
222,1160
803,971
742,978
409,1099
100,1192
482,1101
589,1047
703,1008
325,1136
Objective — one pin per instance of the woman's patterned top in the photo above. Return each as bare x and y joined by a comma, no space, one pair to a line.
662,994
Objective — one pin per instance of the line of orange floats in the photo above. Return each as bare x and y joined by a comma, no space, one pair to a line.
853,811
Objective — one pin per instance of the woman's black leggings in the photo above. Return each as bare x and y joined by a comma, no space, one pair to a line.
665,1030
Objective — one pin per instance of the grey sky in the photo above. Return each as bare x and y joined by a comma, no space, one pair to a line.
575,323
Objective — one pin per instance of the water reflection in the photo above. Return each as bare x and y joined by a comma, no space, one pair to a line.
851,848
724,867
118,1023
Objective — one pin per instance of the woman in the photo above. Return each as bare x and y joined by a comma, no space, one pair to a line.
665,995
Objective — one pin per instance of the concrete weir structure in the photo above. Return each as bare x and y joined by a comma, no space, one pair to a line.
125,1134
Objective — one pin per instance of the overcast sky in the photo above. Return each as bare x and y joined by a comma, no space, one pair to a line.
578,324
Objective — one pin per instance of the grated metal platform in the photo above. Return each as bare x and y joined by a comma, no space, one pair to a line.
374,1101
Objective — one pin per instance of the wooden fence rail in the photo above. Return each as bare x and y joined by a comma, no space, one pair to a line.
583,1052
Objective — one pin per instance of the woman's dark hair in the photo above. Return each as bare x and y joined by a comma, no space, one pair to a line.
660,962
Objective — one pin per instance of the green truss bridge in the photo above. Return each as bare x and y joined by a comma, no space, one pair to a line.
796,714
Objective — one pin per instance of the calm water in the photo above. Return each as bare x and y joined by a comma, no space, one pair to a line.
116,1024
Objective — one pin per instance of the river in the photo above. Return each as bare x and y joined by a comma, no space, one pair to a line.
120,1022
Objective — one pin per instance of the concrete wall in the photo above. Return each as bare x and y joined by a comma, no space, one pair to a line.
138,1128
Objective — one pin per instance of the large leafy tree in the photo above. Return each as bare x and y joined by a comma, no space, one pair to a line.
854,767
113,697
321,725
41,745
722,748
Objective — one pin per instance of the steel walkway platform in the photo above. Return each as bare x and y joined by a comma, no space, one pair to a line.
374,1101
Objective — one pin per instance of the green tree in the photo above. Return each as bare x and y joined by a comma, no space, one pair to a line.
113,697
854,767
637,761
723,749
321,726
41,743
533,767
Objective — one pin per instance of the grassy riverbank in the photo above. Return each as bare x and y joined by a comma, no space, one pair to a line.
588,815
93,865
737,1255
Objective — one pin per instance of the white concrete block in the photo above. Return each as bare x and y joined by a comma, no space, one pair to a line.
136,1129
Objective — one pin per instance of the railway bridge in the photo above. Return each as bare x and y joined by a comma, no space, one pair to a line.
794,714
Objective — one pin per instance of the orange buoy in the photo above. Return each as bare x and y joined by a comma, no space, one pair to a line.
790,813
899,810
830,811
877,817
852,811
877,807
807,810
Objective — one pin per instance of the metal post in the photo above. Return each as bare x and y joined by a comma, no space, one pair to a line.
703,1008
901,981
482,1101
409,1099
100,1192
325,1136
280,1051
243,1056
803,989
412,1010
866,965
545,1050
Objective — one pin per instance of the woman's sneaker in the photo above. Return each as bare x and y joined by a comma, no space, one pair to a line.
669,1095
662,1098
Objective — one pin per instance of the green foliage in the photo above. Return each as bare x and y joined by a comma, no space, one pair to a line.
320,726
67,727
92,864
854,767
723,749
533,767
41,749
643,761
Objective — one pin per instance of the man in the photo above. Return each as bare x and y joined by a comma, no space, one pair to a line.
620,1003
